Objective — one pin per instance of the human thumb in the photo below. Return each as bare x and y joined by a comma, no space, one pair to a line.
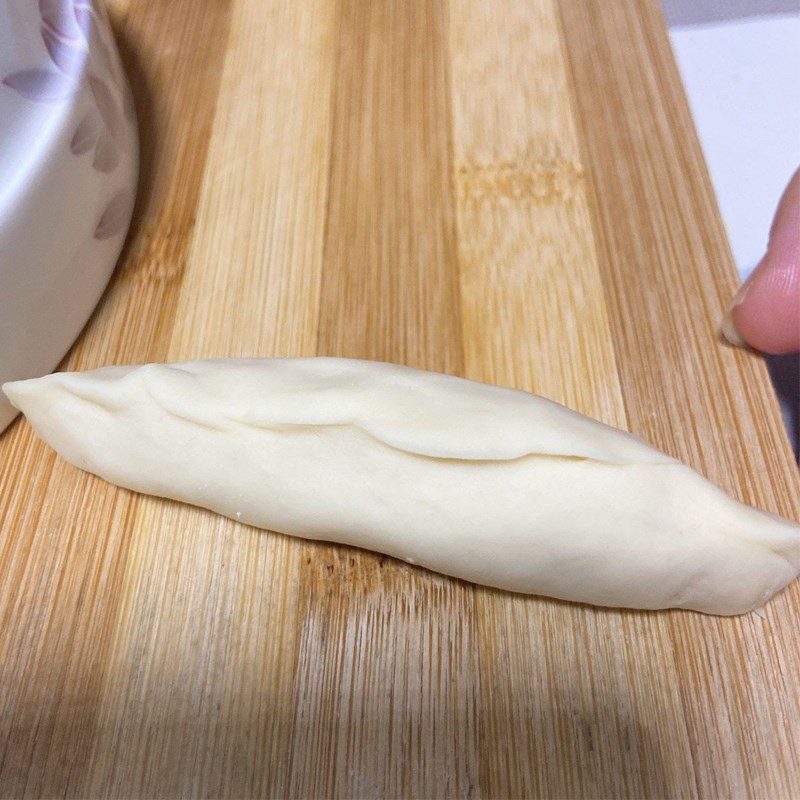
765,314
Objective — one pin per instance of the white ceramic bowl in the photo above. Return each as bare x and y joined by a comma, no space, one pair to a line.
68,170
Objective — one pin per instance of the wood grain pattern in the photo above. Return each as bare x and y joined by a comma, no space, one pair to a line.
382,676
510,190
65,540
651,222
535,317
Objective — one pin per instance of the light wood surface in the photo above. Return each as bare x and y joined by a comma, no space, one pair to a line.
510,190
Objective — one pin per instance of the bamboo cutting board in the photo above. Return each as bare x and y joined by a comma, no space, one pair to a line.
510,190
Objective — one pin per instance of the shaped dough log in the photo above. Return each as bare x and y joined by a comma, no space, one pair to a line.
493,485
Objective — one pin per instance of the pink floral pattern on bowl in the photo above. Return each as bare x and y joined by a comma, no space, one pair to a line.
83,59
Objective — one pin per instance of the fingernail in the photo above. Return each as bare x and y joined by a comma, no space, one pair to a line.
728,330
728,327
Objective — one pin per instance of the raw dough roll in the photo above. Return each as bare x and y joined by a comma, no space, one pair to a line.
492,485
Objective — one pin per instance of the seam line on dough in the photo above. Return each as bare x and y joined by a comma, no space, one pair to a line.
176,415
110,409
465,459
354,424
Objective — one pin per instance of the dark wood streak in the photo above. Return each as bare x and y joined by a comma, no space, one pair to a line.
48,702
390,291
668,275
